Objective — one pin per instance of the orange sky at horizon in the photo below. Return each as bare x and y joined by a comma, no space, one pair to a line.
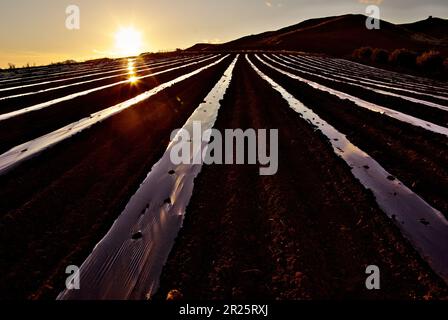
34,31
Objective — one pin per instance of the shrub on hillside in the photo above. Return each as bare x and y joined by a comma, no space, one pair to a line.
364,53
380,56
431,61
403,58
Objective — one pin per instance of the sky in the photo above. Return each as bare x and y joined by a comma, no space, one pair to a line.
35,32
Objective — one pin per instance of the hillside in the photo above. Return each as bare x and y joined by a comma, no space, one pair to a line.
433,27
340,35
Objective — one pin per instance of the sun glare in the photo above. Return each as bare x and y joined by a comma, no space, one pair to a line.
131,67
132,71
128,41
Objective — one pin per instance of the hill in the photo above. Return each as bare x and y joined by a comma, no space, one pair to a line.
340,35
433,27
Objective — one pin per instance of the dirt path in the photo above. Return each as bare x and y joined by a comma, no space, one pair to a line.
306,233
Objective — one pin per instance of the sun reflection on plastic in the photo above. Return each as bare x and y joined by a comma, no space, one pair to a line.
131,71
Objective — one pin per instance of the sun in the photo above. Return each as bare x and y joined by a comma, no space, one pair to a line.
128,41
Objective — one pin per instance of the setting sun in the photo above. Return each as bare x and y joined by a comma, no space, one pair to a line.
128,41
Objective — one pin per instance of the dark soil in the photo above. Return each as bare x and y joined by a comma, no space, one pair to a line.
57,206
308,232
419,158
26,127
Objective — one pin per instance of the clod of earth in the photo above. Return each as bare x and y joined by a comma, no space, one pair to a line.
137,235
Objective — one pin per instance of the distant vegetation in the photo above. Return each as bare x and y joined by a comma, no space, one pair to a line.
99,61
66,62
162,54
13,67
380,56
430,63
363,53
